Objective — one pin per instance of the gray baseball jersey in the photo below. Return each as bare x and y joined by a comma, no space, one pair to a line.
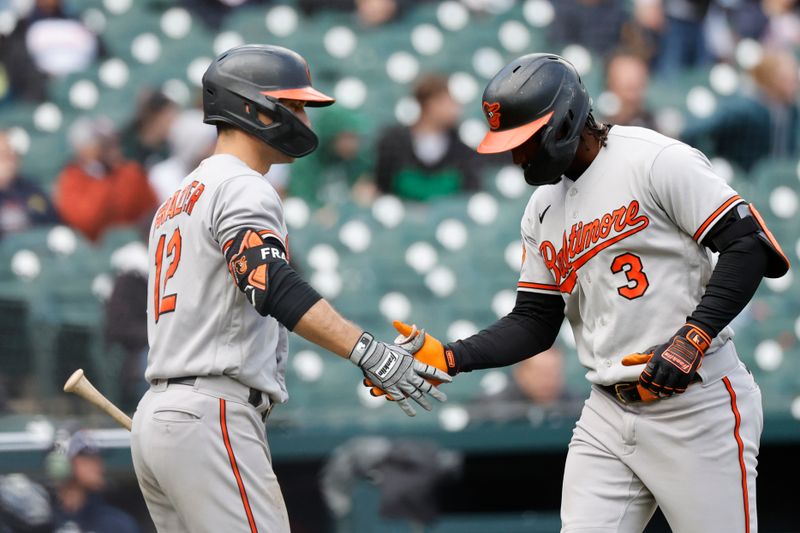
202,328
621,245
198,322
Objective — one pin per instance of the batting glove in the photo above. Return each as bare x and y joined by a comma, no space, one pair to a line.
424,347
395,371
672,365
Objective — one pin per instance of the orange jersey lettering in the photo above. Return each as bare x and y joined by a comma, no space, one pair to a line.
586,239
182,201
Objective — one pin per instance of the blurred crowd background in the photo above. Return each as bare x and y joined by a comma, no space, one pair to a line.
100,119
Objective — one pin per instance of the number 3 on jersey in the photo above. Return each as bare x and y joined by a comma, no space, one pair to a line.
632,266
166,303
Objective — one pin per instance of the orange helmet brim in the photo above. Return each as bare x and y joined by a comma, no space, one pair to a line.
309,95
501,141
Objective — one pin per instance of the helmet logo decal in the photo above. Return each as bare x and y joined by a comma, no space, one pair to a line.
492,112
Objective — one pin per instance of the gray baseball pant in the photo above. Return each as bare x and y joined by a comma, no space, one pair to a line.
202,460
694,455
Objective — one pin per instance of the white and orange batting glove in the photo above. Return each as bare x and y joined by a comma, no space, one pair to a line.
425,348
397,372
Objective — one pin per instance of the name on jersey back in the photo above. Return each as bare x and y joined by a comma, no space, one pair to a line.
182,201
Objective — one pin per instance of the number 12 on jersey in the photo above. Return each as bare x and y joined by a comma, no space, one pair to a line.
165,303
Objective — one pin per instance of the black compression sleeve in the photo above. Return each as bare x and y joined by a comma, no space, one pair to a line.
529,329
261,271
290,297
738,272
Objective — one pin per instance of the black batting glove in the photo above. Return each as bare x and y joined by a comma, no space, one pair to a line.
672,365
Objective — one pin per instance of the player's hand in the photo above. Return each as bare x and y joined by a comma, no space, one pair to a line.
395,370
423,346
672,365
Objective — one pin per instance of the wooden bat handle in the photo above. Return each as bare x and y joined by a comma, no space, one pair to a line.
79,384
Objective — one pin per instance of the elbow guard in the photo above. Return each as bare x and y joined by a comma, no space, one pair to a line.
744,220
249,259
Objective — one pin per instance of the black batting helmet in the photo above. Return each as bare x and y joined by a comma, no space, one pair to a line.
252,78
537,94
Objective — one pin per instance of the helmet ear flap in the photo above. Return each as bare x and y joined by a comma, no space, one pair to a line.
565,128
559,143
287,133
565,121
251,110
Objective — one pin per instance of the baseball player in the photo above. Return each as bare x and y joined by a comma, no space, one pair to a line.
222,300
618,237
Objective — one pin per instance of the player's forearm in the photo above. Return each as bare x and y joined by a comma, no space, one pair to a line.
323,326
271,285
529,329
735,279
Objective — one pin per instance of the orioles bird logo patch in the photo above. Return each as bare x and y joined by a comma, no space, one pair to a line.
241,265
492,112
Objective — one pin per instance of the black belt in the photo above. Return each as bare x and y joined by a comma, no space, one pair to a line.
255,398
627,392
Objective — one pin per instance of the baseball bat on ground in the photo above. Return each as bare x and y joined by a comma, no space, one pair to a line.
79,384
